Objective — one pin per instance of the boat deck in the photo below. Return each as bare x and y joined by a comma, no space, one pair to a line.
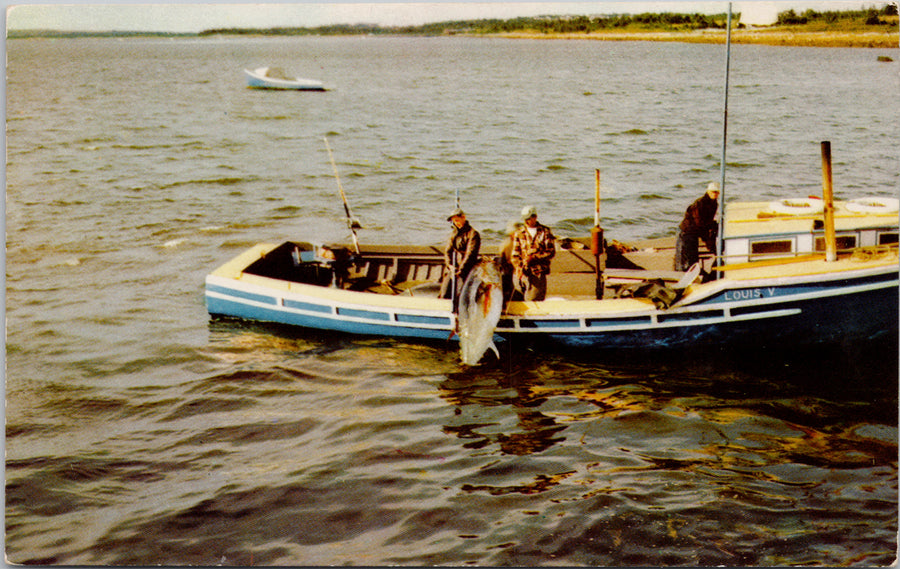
390,290
417,270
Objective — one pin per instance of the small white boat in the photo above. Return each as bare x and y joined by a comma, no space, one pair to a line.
276,78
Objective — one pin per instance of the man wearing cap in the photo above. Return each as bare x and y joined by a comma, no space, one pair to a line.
504,253
532,249
699,223
460,254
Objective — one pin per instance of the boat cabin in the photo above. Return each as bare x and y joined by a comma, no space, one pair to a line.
754,231
762,230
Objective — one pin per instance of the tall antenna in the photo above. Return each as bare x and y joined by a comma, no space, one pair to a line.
720,210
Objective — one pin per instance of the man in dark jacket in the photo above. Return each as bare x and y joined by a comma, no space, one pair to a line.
460,254
699,223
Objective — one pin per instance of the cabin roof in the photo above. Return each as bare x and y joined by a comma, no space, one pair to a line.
744,219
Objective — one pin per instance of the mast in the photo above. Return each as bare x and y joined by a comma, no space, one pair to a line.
721,205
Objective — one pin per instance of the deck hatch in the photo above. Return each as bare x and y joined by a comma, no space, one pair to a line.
549,323
690,316
415,319
307,306
602,322
739,311
367,314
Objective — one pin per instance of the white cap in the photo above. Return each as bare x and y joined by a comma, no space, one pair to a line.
713,187
528,212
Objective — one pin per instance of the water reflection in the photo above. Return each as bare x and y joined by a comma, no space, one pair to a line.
523,404
472,392
713,417
606,459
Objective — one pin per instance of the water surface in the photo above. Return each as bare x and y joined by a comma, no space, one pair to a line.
140,432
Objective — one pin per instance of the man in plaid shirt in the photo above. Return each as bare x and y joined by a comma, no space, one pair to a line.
533,248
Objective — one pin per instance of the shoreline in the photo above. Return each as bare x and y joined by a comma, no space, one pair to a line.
878,40
760,36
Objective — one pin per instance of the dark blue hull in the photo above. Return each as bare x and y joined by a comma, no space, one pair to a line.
848,318
834,320
792,305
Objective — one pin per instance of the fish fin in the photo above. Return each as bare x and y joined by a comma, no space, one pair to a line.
484,292
493,347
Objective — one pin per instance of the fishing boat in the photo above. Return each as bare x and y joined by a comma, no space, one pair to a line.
793,272
276,78
780,288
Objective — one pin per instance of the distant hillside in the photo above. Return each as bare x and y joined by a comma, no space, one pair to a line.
56,34
835,21
872,27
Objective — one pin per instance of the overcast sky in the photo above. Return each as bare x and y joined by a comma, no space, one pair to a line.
196,17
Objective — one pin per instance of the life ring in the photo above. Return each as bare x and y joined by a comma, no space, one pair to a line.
874,205
802,206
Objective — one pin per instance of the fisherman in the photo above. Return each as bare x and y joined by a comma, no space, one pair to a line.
504,254
699,223
460,254
533,247
335,260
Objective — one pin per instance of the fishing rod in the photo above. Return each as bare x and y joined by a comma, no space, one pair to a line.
720,207
454,302
597,240
352,222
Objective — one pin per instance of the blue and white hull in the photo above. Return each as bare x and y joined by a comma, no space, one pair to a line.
779,315
796,303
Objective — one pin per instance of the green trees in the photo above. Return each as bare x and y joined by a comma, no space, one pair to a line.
870,17
551,24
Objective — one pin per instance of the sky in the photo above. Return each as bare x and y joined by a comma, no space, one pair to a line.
196,17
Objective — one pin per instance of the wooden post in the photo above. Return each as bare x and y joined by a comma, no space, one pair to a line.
828,196
597,241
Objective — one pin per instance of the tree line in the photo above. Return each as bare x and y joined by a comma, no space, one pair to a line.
541,24
884,16
585,24
870,16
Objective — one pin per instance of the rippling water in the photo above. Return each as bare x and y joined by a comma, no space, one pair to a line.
139,432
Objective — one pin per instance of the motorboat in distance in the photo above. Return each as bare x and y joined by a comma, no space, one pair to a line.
276,78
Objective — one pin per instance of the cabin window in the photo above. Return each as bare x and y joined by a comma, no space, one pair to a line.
842,242
764,248
887,237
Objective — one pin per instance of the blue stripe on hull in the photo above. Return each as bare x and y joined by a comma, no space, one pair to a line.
241,294
845,317
863,316
225,307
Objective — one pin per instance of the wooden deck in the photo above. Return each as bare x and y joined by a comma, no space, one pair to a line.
416,270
